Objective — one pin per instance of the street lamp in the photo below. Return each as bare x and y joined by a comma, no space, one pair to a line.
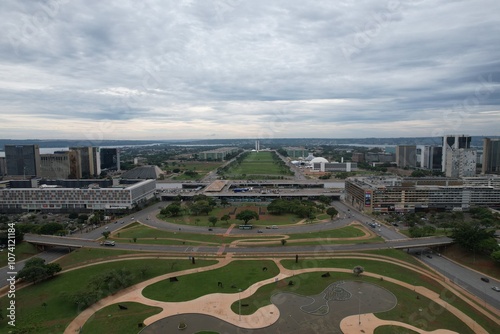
359,307
239,304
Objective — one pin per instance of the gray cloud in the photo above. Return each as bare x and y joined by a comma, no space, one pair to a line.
185,69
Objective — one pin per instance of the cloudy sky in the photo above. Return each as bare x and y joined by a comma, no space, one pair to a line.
187,69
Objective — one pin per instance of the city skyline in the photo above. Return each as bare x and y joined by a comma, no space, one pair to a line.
236,69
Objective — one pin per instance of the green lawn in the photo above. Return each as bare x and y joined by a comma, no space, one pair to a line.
23,251
236,275
147,235
83,256
258,163
33,316
112,319
388,329
406,310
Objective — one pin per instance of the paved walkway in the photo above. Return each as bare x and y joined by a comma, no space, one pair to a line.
218,305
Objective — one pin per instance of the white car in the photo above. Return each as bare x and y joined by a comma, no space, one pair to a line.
496,288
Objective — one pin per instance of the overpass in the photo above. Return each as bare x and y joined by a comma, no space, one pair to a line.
52,241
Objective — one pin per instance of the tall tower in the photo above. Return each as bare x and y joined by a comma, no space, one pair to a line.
23,160
454,142
491,156
257,145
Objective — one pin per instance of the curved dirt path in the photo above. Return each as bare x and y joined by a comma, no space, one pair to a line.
219,304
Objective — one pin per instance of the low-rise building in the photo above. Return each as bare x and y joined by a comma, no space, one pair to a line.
75,195
395,194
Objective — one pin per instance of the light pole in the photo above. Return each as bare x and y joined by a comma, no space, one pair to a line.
239,304
359,307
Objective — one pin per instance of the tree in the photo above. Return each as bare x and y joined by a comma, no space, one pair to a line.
358,270
73,215
225,218
172,210
332,212
470,235
325,199
224,202
283,242
106,234
496,256
35,270
247,215
212,220
51,228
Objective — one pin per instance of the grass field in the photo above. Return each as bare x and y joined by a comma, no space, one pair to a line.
46,308
200,167
82,256
23,251
112,319
147,235
312,283
236,275
258,163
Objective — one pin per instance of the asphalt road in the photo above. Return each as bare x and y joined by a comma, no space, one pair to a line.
467,279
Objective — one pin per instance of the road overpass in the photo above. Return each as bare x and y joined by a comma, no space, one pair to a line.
46,240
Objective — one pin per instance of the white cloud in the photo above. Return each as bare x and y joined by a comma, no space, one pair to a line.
231,68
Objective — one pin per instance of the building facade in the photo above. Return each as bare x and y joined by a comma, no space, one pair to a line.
23,160
3,166
66,199
461,162
454,142
491,156
394,194
406,156
110,158
60,165
89,159
333,167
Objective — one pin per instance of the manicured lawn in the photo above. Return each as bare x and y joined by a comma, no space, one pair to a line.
46,307
406,310
236,275
258,163
344,232
83,256
147,235
112,319
374,266
387,329
23,251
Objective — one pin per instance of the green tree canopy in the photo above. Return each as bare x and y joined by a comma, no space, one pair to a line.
247,215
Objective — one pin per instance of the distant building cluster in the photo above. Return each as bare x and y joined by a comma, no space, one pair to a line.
218,154
318,164
25,161
395,194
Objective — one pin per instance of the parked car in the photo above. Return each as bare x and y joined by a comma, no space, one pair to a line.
485,279
496,288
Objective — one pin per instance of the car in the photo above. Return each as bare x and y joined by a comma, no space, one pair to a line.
210,229
485,279
259,231
429,256
108,243
496,288
274,227
395,224
132,218
268,227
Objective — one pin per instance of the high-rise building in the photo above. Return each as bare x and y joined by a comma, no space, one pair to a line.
429,157
23,160
436,158
491,156
60,165
454,142
89,159
3,166
461,162
110,158
406,156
